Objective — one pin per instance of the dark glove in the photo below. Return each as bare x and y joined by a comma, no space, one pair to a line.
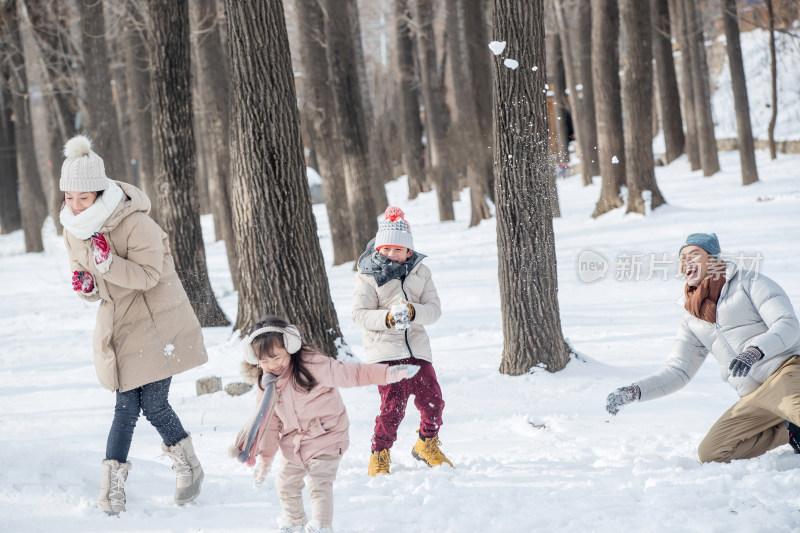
82,282
622,396
102,252
741,364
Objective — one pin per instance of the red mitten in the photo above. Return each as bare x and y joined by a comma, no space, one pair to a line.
82,281
102,252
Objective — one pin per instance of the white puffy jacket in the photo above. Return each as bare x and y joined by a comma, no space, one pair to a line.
752,310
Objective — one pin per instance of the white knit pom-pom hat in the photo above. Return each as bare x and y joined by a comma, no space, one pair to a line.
83,170
393,230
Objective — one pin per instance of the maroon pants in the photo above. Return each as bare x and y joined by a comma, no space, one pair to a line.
394,398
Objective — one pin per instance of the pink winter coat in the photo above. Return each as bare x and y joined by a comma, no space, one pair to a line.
307,424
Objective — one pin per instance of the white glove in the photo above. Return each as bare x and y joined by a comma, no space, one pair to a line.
398,372
400,316
260,473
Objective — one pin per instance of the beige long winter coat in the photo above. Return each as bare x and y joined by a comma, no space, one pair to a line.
371,303
146,329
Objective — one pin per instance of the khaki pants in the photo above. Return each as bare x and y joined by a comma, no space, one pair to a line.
321,473
754,424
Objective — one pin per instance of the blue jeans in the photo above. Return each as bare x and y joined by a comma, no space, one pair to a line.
152,400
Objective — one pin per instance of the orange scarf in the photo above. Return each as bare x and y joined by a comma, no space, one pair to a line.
701,301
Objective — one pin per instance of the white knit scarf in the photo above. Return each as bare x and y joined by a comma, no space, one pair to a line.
91,220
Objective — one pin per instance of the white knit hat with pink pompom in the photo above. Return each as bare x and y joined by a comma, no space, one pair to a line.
83,170
393,230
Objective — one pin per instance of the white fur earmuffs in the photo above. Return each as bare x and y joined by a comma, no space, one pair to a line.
292,341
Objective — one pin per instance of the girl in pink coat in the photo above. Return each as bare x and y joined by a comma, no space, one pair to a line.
302,413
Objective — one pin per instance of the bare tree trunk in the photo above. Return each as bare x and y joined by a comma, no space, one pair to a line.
10,216
532,334
671,120
575,103
323,128
471,147
700,89
555,71
435,110
137,64
349,102
583,31
411,124
747,155
103,125
174,157
773,81
637,93
678,26
280,260
379,171
32,200
214,96
608,110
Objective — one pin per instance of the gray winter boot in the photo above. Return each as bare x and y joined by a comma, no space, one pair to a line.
187,468
112,486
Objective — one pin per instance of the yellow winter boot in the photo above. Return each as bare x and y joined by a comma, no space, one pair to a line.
379,463
428,451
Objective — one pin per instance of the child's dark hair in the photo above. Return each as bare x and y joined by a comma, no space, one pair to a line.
264,344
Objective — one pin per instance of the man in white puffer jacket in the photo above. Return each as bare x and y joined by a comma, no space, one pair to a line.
746,321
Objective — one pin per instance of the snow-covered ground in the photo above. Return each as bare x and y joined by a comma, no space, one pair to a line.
585,471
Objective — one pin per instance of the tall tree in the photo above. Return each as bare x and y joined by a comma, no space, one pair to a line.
525,240
103,125
637,93
678,29
10,216
137,64
773,70
700,89
411,123
214,85
435,110
747,157
468,123
346,84
323,129
608,107
32,199
174,155
667,83
555,73
280,259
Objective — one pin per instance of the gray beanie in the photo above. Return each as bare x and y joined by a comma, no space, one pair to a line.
393,230
83,170
706,241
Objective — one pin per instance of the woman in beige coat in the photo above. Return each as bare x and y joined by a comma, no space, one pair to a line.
146,329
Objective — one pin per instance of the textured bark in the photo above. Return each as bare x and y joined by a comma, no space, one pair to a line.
174,156
583,47
348,100
678,28
747,156
435,110
671,120
32,200
280,260
555,72
137,64
471,148
214,97
525,242
700,89
637,93
576,104
773,70
320,113
10,216
410,121
608,106
103,124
